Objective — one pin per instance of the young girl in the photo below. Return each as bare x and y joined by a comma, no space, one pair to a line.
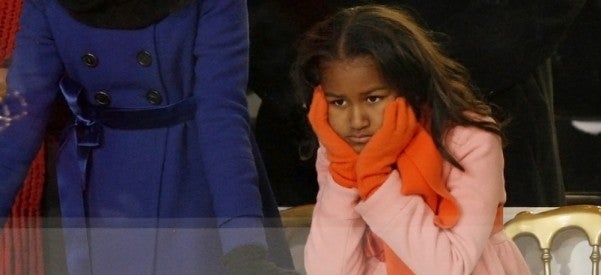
410,163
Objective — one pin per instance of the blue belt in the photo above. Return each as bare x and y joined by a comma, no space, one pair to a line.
89,119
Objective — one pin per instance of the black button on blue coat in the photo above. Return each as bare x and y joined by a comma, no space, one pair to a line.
90,60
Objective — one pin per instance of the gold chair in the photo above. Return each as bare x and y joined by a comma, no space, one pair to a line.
297,216
545,225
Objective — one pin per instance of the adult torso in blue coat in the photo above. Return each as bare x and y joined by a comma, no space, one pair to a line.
166,189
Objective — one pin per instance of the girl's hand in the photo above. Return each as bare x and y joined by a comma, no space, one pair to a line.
341,155
376,160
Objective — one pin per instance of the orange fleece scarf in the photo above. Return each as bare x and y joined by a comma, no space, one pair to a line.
419,163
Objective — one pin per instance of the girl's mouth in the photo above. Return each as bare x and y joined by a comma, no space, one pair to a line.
359,139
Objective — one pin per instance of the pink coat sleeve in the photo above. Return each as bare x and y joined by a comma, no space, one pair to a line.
406,224
334,245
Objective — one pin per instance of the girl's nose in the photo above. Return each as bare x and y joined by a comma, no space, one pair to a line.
358,118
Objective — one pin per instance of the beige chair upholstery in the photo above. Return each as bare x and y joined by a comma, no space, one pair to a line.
545,225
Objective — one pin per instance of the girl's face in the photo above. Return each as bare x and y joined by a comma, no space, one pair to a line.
357,95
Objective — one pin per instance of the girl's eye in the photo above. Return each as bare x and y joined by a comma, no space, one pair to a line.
373,99
338,102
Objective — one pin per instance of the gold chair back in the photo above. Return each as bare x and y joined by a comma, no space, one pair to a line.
545,225
297,216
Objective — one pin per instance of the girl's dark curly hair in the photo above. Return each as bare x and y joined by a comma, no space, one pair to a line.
437,87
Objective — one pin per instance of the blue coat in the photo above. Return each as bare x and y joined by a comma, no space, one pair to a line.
166,197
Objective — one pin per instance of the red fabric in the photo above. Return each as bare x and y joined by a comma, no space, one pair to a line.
10,11
21,238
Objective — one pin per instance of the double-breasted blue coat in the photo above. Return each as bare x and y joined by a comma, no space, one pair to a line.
159,173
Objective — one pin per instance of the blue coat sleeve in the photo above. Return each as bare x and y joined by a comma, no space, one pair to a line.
221,75
32,77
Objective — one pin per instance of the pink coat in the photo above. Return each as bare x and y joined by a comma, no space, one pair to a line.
337,242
